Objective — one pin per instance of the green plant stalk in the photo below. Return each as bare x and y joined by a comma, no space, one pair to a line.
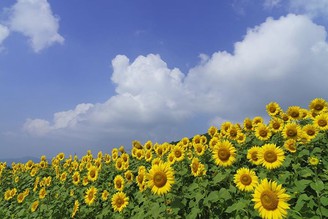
318,195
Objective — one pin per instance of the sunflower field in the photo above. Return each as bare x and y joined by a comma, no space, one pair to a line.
277,169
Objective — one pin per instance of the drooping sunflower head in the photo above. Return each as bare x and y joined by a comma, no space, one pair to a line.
224,153
245,179
270,200
160,178
273,109
119,201
321,121
318,105
271,156
262,132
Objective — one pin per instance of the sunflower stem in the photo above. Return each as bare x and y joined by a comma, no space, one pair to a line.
166,215
318,196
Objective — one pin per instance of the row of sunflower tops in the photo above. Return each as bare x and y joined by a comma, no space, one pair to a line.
279,168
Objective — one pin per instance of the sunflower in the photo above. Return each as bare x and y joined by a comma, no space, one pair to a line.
321,121
148,155
128,176
213,142
140,154
212,131
248,124
119,201
313,161
42,193
107,158
178,153
90,195
197,168
271,156
63,176
318,105
75,208
119,183
257,120
8,195
276,125
160,178
224,153
294,112
284,117
34,206
224,127
170,158
310,131
270,200
291,130
148,145
61,156
104,195
233,132
93,173
290,145
199,149
273,108
262,132
245,179
241,138
20,197
119,164
85,181
76,178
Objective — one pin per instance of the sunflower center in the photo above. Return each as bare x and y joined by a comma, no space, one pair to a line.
199,149
254,156
318,107
294,114
223,154
90,195
119,202
160,179
92,174
276,125
177,153
194,167
269,200
249,125
272,109
119,165
270,156
245,179
263,133
310,132
322,122
119,184
291,133
233,133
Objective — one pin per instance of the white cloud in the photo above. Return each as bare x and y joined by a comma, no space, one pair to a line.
4,33
280,60
34,19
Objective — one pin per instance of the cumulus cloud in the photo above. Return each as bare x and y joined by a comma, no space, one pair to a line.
35,20
4,33
281,60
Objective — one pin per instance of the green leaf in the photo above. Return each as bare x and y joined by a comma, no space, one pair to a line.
219,177
236,206
214,196
317,186
302,184
306,172
224,194
324,211
324,201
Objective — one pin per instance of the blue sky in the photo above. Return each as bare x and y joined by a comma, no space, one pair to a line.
78,75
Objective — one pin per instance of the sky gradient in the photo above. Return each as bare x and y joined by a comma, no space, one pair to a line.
78,75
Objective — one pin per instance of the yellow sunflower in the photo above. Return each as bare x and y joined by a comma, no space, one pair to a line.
90,195
212,131
245,179
42,193
290,145
75,208
20,197
178,153
310,131
276,125
318,105
248,124
313,161
262,132
233,132
294,112
197,168
119,183
199,149
148,155
104,195
160,178
34,206
128,176
291,130
93,173
224,153
119,164
273,109
148,145
76,178
321,121
224,127
257,120
271,156
270,200
241,138
252,155
170,158
119,201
